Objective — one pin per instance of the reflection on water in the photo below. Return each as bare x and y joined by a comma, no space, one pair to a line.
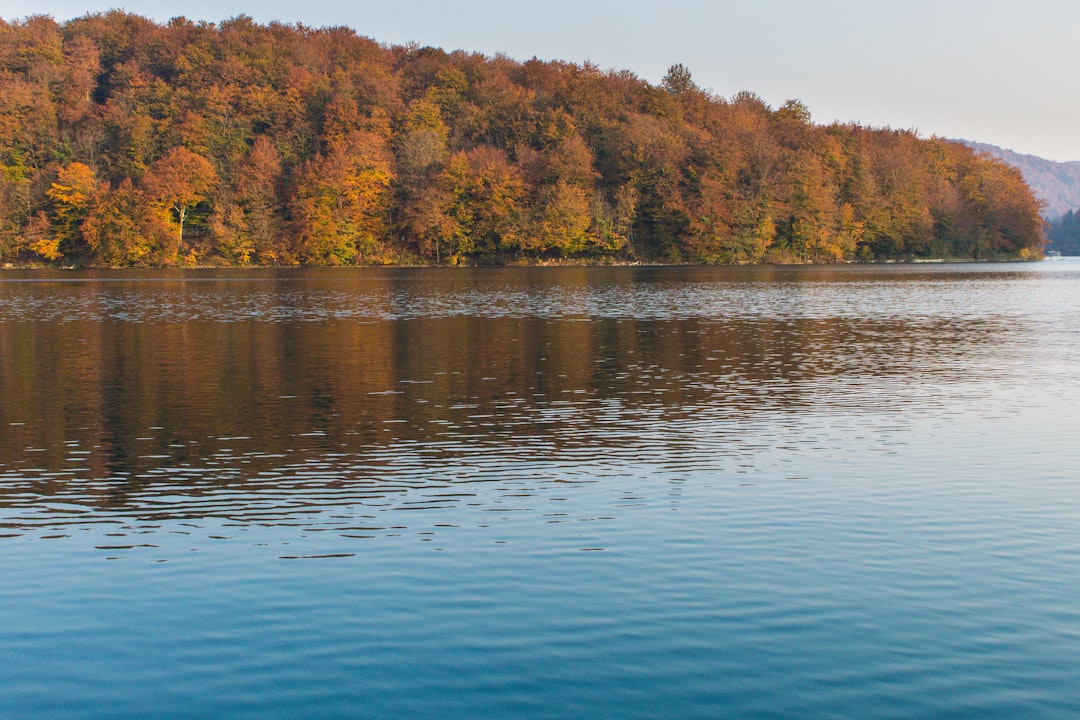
751,462
262,399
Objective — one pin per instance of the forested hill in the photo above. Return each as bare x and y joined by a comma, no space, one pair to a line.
1057,184
124,142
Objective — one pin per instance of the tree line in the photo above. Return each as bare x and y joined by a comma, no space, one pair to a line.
125,142
1064,233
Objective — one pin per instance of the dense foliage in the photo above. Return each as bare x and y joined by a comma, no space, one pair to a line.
1064,233
124,142
1056,184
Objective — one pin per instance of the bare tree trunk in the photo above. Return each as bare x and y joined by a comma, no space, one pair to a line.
181,212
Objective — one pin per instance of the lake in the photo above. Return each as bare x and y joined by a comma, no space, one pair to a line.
541,492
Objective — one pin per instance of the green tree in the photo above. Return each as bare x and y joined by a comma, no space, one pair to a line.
678,80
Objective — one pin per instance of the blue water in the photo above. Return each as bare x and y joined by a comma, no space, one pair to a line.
622,492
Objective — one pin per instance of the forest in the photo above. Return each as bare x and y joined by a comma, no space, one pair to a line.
124,142
1064,233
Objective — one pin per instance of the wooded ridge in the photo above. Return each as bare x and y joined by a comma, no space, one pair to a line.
1056,184
125,142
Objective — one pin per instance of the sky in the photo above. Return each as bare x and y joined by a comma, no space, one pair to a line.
1004,73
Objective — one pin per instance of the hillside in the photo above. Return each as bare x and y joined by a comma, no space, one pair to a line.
1057,184
124,142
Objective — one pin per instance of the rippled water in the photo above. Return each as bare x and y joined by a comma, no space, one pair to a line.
606,492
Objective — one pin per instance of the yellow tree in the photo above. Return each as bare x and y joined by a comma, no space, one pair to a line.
562,204
562,220
342,201
486,190
71,195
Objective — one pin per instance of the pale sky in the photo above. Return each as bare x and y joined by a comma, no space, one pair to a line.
1005,73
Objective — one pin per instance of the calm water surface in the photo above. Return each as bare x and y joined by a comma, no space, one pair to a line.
541,493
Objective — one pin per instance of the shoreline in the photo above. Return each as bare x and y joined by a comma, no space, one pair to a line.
551,264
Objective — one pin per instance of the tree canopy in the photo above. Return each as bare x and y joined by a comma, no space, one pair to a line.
126,142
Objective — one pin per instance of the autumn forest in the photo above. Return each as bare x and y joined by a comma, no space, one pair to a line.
128,143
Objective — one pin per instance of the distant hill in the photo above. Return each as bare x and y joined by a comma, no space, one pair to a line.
1055,183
